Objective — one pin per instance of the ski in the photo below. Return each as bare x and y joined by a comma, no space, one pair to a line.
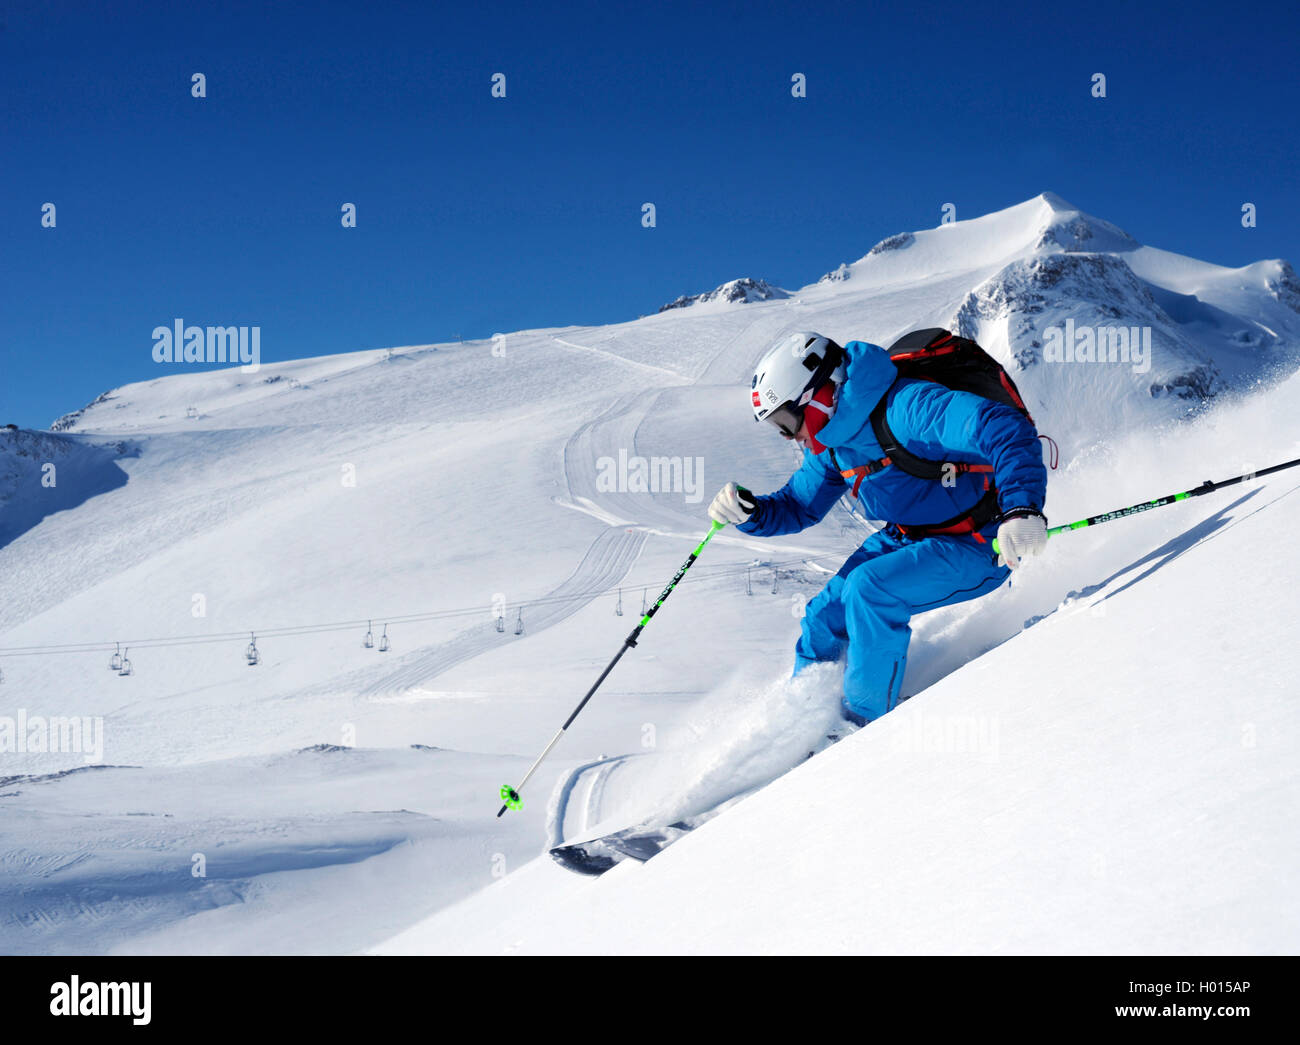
597,855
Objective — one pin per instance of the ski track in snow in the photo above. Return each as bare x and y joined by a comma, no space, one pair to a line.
622,359
611,555
575,801
603,437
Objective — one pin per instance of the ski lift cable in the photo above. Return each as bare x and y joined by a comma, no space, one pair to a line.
170,641
728,571
706,577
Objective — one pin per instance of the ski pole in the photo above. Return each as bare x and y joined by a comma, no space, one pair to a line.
1160,502
510,795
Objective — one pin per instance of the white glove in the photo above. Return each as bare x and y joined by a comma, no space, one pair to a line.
1021,537
734,504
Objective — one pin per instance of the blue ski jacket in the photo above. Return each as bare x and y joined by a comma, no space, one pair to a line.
928,420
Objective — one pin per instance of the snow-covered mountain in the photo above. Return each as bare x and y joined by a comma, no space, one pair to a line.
737,291
543,481
1021,279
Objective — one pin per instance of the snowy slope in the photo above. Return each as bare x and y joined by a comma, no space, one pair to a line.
1123,782
434,488
1118,777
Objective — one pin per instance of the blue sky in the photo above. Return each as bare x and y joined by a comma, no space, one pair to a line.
478,215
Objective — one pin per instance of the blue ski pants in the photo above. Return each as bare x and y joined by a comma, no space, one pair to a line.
865,608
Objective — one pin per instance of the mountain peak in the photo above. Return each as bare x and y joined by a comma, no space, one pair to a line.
1056,202
743,291
1044,224
1066,227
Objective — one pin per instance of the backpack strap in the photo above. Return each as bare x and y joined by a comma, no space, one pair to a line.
969,523
908,461
862,471
893,448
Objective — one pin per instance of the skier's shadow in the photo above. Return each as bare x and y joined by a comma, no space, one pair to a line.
1167,552
1153,561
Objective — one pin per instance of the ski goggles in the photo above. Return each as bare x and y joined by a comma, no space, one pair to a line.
788,419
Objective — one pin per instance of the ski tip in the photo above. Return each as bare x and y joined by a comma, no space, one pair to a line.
598,855
582,860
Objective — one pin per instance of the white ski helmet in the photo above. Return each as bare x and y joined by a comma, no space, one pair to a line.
792,371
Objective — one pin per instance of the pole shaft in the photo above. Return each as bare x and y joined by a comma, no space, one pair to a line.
1160,502
628,643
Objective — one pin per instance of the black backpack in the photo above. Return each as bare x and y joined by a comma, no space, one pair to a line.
958,363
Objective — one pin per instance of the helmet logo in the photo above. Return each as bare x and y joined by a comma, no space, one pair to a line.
757,401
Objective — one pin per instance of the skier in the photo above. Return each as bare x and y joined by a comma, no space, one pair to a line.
935,548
